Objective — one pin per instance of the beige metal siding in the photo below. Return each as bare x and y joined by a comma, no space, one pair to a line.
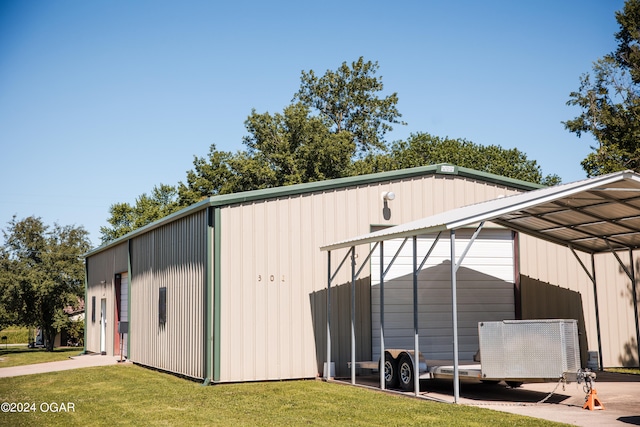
615,300
554,265
102,269
274,277
172,256
485,284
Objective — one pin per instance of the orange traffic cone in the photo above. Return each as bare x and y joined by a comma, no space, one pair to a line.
592,401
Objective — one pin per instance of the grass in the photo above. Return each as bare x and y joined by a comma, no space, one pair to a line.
15,335
17,356
130,395
633,371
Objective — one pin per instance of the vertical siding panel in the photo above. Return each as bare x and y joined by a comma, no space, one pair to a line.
103,267
172,256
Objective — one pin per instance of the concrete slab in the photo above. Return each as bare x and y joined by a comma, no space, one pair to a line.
619,393
76,362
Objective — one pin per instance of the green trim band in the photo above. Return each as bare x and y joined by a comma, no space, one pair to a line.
289,190
86,301
129,282
208,294
216,294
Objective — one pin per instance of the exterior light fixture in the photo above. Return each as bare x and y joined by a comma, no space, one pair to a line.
388,195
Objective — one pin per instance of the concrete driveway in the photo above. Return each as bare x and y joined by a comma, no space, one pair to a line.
619,393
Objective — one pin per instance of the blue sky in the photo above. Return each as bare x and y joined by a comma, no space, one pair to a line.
102,100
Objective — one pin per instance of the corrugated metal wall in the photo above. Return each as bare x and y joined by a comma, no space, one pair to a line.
485,283
274,277
172,257
555,265
103,267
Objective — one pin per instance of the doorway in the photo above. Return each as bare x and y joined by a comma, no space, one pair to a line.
103,326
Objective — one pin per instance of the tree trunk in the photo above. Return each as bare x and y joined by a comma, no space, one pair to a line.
49,338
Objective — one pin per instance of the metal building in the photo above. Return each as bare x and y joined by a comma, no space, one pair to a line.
234,288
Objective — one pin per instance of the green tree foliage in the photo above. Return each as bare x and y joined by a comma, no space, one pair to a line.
334,128
349,100
424,149
41,272
609,99
147,208
333,118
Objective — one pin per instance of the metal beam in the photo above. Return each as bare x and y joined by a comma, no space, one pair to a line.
631,274
395,256
382,357
592,277
353,315
635,302
416,338
327,371
454,310
466,249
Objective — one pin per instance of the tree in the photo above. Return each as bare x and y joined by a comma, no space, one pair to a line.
208,178
296,147
609,99
333,118
334,128
422,149
348,99
148,208
41,272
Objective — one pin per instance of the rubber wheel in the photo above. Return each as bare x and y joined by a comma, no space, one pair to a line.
390,371
514,384
405,373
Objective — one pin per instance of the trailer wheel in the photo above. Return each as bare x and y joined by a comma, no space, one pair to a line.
390,371
514,384
405,373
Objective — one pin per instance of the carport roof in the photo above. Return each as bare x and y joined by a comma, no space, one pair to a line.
594,215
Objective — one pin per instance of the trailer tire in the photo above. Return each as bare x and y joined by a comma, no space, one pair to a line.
390,371
405,372
514,384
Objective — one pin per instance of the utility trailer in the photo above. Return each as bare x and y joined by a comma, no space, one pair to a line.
514,351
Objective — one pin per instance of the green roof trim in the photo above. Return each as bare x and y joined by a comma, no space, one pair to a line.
290,190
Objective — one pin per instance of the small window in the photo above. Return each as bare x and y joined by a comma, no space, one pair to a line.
93,309
162,306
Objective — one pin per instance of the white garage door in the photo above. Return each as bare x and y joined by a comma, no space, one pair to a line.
485,282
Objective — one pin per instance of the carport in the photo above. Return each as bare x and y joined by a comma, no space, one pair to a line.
593,216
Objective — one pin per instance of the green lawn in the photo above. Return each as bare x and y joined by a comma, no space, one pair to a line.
17,356
633,371
131,395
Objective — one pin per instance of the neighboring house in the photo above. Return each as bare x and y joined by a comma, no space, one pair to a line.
76,314
234,288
